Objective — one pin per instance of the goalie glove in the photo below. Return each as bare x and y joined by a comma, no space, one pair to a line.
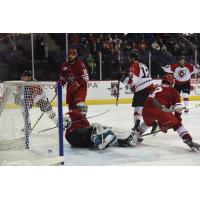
66,121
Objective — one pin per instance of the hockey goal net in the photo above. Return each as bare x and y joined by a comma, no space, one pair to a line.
27,108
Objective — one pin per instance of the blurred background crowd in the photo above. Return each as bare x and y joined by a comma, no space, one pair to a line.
105,54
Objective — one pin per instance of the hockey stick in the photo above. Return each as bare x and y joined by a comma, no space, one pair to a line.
151,133
187,107
42,114
75,121
117,97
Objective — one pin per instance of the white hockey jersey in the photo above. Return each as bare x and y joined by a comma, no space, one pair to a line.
182,74
138,76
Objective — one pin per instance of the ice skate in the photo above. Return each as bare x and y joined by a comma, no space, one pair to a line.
194,146
186,110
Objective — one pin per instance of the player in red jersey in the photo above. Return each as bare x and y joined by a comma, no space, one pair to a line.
80,133
35,95
159,106
141,83
182,72
74,74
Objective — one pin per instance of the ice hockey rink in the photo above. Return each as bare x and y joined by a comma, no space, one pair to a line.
163,149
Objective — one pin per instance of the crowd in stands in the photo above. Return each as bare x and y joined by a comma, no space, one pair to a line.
116,48
109,50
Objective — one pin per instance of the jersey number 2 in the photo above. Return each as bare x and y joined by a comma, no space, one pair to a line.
158,89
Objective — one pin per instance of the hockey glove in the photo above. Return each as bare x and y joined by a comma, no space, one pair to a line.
165,109
73,87
66,122
162,107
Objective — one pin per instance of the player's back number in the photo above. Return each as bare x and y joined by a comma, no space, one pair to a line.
145,72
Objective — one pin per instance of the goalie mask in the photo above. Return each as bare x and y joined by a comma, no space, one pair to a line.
82,108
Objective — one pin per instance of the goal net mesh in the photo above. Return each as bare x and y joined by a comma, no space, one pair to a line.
27,109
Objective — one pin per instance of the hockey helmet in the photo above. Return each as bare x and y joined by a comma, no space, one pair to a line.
73,52
135,55
169,79
82,107
181,57
26,75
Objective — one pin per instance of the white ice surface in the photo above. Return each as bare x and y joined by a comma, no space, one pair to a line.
162,149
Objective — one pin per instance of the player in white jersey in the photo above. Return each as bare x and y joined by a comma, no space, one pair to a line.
141,83
35,97
182,72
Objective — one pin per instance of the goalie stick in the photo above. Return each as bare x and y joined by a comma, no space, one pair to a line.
42,114
75,121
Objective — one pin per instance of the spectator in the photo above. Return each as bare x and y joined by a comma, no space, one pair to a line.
134,47
127,48
177,51
91,38
74,40
13,42
91,64
84,51
117,40
142,45
155,45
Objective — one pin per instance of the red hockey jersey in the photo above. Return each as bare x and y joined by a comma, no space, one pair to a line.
165,95
77,121
74,72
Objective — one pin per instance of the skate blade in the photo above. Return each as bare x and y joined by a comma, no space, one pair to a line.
195,150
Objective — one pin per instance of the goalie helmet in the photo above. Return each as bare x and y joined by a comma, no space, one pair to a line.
82,107
168,79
